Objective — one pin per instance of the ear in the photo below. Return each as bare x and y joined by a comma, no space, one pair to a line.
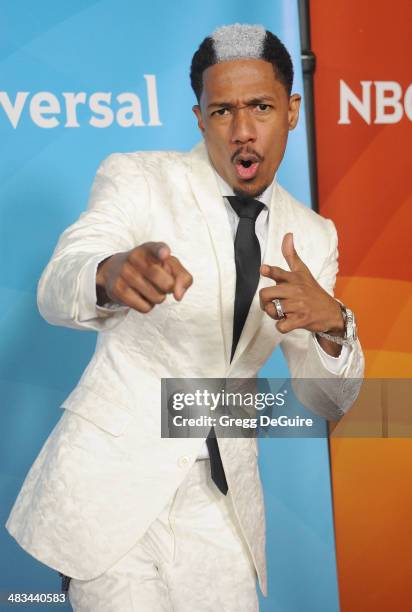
198,113
293,110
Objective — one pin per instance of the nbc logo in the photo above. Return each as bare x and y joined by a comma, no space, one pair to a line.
388,105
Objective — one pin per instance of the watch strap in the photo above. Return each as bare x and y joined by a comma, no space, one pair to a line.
349,336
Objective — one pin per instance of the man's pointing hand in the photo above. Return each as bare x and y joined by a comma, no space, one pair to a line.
304,302
142,277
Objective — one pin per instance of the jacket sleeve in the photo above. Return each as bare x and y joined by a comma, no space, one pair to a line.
116,220
332,394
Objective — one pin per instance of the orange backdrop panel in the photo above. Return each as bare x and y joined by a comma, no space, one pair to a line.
365,178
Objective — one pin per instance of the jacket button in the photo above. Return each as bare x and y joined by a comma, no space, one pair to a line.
183,461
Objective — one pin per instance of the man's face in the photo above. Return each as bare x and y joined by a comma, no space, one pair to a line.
245,115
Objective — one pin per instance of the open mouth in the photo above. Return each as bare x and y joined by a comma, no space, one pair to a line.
246,169
246,163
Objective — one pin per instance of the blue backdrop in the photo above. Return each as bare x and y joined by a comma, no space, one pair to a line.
79,81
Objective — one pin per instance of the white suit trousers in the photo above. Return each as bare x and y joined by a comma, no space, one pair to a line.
193,558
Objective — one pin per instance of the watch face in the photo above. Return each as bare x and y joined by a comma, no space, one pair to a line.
350,333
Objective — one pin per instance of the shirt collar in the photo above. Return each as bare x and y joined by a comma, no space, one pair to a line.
226,190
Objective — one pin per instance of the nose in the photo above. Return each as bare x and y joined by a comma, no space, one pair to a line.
243,127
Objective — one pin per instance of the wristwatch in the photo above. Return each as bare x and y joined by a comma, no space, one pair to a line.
350,334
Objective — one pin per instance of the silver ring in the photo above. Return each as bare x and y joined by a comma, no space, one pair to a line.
278,307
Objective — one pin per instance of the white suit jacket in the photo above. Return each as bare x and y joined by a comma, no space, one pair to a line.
104,473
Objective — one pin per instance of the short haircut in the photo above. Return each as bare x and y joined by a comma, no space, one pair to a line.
241,41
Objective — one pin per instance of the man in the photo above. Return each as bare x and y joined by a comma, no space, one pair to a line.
166,265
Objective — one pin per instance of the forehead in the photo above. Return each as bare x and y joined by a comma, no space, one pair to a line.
240,78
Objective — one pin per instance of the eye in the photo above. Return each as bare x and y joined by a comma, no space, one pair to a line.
221,112
263,107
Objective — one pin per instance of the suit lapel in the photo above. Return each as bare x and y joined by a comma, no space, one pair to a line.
209,199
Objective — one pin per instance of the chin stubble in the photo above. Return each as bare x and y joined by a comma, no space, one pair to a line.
242,193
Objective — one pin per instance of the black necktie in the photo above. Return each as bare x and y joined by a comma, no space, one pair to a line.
248,260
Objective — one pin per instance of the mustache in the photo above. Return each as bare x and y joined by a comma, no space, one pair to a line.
248,153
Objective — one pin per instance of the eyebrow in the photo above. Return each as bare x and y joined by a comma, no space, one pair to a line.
255,100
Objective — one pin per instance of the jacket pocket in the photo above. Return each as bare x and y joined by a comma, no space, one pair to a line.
111,417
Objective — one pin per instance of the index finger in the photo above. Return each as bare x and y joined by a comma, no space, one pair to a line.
278,274
145,260
159,250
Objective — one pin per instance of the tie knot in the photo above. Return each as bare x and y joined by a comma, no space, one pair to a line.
245,207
